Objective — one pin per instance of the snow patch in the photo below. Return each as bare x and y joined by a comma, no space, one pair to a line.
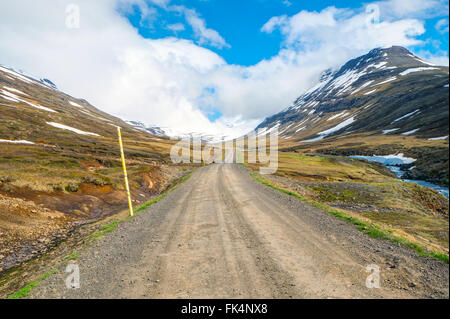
438,138
313,139
346,80
18,99
65,127
370,92
16,142
336,128
9,99
411,132
14,90
416,70
74,104
343,113
424,62
386,81
390,130
363,86
347,122
405,116
377,66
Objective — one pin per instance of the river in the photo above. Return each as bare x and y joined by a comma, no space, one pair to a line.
393,162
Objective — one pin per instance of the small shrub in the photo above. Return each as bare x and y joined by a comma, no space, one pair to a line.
71,187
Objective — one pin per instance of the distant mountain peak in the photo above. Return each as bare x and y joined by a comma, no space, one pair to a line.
25,77
153,130
393,57
385,90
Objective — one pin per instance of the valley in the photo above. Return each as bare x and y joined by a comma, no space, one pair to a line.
63,199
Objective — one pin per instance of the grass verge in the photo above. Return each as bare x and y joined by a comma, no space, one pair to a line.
150,202
108,228
105,229
72,256
25,291
371,230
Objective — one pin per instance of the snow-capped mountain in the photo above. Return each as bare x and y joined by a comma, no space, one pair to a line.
37,109
27,77
154,130
387,91
177,134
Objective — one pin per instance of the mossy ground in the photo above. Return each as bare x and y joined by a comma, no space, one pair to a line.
368,195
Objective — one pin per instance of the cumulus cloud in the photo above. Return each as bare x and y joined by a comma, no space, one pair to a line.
174,82
107,62
337,27
202,33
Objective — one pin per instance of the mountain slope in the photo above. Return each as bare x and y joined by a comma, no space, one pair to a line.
388,96
60,165
388,91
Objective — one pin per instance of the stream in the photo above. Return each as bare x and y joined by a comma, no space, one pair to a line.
393,162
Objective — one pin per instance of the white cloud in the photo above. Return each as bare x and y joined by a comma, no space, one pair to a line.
395,9
176,27
274,22
339,27
442,26
170,82
202,33
148,13
439,58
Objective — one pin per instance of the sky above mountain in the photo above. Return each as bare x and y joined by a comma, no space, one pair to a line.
213,66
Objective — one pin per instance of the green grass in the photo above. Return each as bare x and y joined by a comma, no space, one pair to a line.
150,202
421,250
371,230
185,178
108,228
264,182
72,256
25,291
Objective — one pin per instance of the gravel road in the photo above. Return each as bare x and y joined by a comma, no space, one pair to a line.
222,234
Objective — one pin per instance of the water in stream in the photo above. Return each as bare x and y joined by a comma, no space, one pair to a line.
393,161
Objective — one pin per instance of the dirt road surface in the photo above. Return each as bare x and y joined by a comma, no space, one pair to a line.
224,235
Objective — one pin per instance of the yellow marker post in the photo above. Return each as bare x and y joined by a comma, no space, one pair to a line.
122,156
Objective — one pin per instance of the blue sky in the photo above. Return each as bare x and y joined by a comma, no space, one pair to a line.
212,66
239,23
